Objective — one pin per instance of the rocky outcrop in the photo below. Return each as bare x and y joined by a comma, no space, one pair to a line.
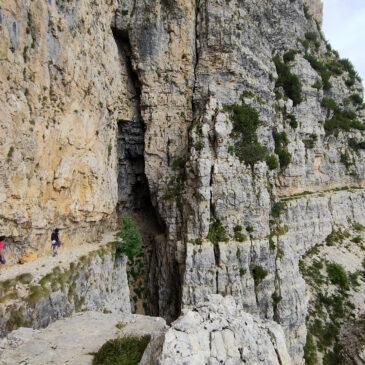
75,340
219,332
95,282
240,198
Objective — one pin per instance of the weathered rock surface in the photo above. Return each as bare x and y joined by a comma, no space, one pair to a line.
105,106
74,340
310,219
334,273
219,332
63,89
97,281
315,8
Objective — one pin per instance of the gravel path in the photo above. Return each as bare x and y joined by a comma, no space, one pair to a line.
45,264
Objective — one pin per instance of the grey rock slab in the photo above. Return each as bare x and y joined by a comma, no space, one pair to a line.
73,340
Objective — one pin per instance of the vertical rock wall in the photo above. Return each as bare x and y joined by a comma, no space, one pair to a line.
63,88
165,73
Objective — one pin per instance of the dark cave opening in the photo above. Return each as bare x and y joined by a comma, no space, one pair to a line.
134,194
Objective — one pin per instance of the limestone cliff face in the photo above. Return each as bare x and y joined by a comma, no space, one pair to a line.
233,123
315,8
63,89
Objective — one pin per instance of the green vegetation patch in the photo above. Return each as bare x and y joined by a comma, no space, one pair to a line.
342,120
272,162
322,70
310,142
355,145
131,236
337,275
358,227
311,36
345,159
217,233
292,121
281,143
289,56
246,120
337,236
349,68
278,208
329,103
37,293
25,278
122,351
238,235
318,85
8,296
288,81
276,298
258,274
310,351
10,153
356,99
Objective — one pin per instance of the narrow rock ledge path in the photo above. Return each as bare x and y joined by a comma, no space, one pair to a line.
45,264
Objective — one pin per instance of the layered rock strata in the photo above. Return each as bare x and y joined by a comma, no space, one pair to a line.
251,126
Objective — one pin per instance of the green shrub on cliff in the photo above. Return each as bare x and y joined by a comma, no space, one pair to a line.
311,36
289,56
277,209
122,351
356,99
288,81
246,120
342,120
337,275
217,233
131,236
322,69
281,143
310,351
258,274
272,162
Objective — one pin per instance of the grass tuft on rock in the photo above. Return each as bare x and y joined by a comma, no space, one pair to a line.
122,351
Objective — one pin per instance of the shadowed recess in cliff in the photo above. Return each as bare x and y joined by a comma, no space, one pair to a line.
133,188
134,194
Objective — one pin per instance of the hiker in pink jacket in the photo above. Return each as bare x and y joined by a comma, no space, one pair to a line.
2,246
